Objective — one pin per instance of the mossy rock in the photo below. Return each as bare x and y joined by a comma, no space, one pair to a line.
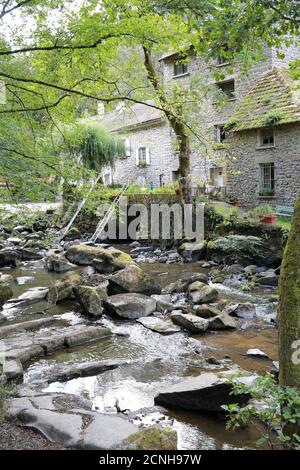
5,293
152,439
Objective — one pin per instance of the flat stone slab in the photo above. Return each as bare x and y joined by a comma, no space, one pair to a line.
68,420
36,294
159,325
206,392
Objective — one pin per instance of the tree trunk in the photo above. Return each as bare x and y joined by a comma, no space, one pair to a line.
289,311
179,129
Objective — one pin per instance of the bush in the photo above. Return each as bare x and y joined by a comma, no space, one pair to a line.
274,406
263,209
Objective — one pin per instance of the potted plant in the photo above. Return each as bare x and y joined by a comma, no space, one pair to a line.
265,213
266,192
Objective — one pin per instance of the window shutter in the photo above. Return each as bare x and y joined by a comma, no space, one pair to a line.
127,147
148,156
137,157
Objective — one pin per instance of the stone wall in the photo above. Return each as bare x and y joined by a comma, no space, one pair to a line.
163,158
243,175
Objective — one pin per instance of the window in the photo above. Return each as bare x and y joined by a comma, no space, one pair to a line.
266,179
266,137
127,147
180,68
227,88
175,176
107,179
220,133
143,156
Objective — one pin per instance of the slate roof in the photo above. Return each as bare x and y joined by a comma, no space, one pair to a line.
274,100
137,115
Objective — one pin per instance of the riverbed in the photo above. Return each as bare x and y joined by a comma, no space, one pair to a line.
151,362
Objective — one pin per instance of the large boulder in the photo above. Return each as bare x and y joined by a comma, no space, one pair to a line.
192,251
245,250
132,279
90,298
5,293
130,306
190,322
105,260
206,392
200,293
58,264
63,288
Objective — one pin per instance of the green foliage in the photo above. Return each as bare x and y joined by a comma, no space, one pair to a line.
274,406
96,146
232,218
272,118
263,209
211,217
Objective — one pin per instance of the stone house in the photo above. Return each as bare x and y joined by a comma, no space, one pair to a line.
150,151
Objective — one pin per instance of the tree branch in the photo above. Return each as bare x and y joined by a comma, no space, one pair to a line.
6,10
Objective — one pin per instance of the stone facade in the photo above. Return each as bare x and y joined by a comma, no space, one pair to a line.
153,133
243,177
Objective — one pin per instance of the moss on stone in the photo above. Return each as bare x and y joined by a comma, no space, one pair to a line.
271,101
152,439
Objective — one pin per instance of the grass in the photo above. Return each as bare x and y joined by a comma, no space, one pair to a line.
284,223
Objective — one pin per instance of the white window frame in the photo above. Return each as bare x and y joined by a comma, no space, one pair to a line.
262,170
145,160
260,136
127,145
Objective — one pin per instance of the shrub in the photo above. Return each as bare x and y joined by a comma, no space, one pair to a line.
263,209
274,406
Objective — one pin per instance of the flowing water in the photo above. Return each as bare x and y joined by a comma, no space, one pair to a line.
151,362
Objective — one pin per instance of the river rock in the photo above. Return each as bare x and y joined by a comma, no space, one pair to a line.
192,251
163,302
72,234
63,288
9,258
255,352
58,264
206,392
5,293
13,369
159,325
33,295
27,254
222,322
104,260
90,299
6,279
130,306
152,439
190,277
206,311
133,280
190,322
268,278
200,293
14,240
175,287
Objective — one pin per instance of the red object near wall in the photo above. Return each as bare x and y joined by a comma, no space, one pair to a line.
268,219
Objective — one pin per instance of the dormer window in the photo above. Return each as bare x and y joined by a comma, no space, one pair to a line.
228,88
180,68
266,137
